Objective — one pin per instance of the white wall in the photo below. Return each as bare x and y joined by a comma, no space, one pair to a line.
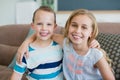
7,11
103,16
24,11
8,14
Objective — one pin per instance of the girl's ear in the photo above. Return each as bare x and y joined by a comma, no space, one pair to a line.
91,35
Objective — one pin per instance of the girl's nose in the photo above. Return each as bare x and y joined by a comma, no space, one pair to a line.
78,29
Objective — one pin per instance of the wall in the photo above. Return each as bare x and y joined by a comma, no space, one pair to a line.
8,14
7,11
89,4
101,16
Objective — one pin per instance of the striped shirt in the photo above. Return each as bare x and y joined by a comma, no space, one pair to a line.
42,63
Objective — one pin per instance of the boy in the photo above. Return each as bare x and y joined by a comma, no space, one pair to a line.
45,55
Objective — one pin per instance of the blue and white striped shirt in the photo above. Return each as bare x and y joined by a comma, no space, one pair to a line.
43,63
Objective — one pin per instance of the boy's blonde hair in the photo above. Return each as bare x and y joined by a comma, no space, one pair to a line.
44,8
94,27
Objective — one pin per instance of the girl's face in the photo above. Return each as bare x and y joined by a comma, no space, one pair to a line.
80,29
44,24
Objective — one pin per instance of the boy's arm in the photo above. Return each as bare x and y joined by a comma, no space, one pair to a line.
58,38
23,49
16,76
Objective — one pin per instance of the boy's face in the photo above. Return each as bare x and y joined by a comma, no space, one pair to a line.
44,24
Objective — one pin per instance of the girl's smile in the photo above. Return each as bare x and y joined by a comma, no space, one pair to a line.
80,29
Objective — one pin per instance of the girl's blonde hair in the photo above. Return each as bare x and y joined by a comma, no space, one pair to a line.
94,27
83,12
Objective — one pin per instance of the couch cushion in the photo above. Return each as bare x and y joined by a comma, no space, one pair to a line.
5,73
111,44
7,53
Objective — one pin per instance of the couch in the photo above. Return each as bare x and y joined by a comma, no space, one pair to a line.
11,37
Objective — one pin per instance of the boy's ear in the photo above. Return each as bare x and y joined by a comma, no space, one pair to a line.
32,26
55,26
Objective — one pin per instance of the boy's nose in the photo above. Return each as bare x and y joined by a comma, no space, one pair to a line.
44,26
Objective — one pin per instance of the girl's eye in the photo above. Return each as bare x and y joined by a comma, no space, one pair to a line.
84,27
74,25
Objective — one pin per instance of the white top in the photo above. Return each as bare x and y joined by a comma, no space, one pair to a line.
77,67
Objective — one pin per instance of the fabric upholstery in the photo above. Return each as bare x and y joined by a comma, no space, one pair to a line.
11,37
8,52
111,44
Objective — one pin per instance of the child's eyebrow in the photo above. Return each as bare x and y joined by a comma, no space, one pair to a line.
73,22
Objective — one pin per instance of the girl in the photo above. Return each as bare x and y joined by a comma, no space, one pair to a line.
80,62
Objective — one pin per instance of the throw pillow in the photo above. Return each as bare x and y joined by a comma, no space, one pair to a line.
31,31
111,44
12,64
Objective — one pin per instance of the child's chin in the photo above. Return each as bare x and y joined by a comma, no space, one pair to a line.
45,38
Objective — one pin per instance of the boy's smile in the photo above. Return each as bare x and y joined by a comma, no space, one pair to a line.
44,33
44,25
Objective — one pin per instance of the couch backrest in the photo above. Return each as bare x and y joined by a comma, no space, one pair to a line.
112,28
13,35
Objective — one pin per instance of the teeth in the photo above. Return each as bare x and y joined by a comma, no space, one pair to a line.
44,33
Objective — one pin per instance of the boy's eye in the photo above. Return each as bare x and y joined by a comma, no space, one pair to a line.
39,23
49,24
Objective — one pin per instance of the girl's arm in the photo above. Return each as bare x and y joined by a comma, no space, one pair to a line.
23,49
58,38
16,76
105,69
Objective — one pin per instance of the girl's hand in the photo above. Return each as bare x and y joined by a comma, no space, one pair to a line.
94,44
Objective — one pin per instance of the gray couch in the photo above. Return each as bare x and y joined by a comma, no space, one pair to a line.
11,37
